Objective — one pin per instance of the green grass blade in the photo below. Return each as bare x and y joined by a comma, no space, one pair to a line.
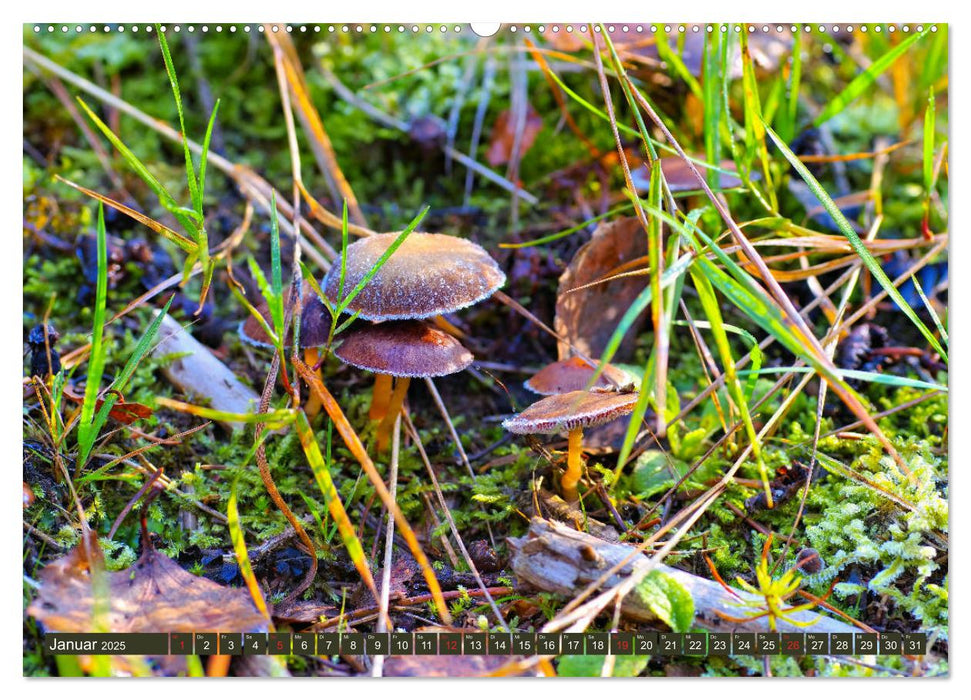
121,381
640,303
190,171
870,377
242,555
673,59
382,260
135,164
709,303
712,80
204,158
87,433
275,299
854,239
569,231
343,275
929,128
795,78
862,82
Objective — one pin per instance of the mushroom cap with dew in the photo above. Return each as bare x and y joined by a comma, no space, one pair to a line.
577,409
314,323
430,274
574,374
403,349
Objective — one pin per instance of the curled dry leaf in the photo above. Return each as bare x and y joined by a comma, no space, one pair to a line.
588,317
154,595
504,136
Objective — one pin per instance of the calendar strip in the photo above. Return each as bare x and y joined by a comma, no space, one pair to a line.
489,644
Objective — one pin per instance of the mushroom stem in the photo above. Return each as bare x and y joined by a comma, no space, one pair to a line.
394,409
574,465
380,396
447,326
312,407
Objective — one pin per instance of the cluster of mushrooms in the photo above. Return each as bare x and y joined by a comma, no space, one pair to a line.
428,276
405,336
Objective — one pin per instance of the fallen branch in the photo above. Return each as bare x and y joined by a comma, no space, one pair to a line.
199,373
555,558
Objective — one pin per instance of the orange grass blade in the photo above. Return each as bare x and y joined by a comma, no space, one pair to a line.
354,444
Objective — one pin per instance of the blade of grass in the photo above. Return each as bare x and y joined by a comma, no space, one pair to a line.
275,300
87,432
195,194
354,444
858,246
242,556
709,303
333,502
862,82
342,305
135,164
121,381
673,59
180,240
752,300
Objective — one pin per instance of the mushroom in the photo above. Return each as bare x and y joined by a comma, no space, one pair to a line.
430,274
314,330
571,412
313,325
401,349
574,374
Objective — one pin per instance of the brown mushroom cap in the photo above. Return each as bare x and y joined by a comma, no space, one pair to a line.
577,409
314,323
429,275
574,374
403,349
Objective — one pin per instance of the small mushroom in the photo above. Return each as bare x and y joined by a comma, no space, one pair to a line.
571,413
401,349
430,274
314,324
574,374
314,331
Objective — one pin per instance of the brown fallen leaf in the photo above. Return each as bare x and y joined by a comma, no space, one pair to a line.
504,136
588,317
126,412
154,595
680,178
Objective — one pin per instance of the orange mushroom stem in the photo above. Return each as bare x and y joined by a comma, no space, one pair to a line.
574,465
393,410
312,405
380,397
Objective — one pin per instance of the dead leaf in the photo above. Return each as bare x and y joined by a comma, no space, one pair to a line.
680,178
126,412
154,595
588,318
504,136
